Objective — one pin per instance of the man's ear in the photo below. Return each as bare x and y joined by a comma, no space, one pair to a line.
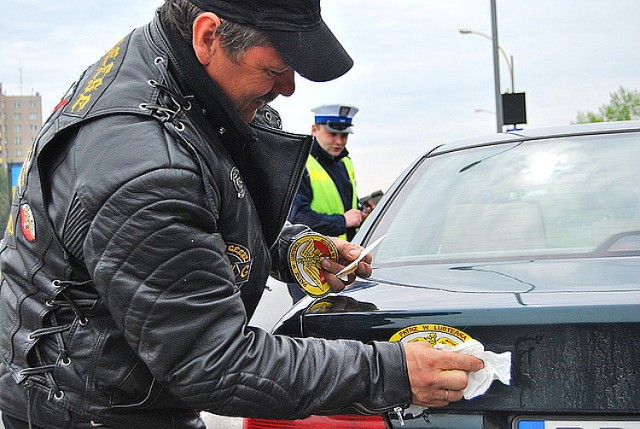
204,29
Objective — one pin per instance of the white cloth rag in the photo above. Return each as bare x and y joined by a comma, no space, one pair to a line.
497,366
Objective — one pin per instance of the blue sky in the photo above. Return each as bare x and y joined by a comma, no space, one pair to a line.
417,81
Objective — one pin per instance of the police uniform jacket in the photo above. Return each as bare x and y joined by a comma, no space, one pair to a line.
141,236
331,224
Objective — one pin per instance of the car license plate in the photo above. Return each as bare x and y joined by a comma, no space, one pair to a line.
568,423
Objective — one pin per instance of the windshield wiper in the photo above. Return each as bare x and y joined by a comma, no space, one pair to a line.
474,163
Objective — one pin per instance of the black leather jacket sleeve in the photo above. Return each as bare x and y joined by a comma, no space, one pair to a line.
280,267
158,262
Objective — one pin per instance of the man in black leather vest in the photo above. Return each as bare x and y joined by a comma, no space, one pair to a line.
146,222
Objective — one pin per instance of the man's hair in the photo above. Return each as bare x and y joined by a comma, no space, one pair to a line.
235,39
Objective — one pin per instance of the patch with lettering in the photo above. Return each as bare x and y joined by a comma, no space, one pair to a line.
22,179
305,260
97,79
432,334
241,261
10,231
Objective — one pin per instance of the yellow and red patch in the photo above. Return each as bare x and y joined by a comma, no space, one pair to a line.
433,334
27,223
305,259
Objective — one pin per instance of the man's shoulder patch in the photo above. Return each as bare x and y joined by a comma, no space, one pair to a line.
96,80
241,261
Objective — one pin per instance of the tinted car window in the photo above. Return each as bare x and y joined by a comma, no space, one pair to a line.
566,197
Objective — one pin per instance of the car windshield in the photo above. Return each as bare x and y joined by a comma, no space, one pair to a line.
564,197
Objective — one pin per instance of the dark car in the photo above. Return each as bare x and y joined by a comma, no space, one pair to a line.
528,242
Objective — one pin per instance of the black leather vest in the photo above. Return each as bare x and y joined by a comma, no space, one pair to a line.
46,297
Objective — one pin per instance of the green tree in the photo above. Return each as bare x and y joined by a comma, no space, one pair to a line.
624,106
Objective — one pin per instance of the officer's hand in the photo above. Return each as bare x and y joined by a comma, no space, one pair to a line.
437,377
353,218
369,206
347,252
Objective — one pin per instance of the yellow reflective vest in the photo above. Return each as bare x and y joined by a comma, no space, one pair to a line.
326,198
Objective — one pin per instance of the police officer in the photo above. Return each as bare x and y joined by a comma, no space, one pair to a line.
327,199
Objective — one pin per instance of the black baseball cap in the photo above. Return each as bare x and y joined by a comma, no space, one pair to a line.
294,28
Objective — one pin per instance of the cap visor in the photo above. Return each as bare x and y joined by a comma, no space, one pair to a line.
348,130
316,55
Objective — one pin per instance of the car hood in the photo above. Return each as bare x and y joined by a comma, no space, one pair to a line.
553,283
560,319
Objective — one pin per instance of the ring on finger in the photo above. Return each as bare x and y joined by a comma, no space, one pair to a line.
446,395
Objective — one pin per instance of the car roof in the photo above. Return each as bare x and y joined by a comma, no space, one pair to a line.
540,133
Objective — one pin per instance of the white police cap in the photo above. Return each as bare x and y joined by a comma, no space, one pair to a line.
335,117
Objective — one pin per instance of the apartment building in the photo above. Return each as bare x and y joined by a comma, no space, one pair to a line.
20,122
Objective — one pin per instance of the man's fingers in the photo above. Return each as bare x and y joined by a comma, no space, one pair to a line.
349,252
453,360
452,379
439,398
455,395
432,372
364,270
331,268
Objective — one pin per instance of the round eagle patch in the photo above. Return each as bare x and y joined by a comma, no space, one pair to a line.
305,260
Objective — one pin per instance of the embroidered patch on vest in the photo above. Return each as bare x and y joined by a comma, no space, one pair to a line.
27,224
241,261
10,221
236,179
97,80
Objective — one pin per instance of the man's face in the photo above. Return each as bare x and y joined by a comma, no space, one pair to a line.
332,143
256,79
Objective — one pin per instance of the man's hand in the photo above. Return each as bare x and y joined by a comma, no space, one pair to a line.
437,377
347,252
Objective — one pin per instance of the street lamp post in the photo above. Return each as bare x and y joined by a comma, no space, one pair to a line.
508,59
496,65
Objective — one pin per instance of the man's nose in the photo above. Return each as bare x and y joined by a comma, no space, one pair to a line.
285,83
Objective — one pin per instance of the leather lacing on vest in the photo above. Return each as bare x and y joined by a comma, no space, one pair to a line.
169,107
61,302
173,102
